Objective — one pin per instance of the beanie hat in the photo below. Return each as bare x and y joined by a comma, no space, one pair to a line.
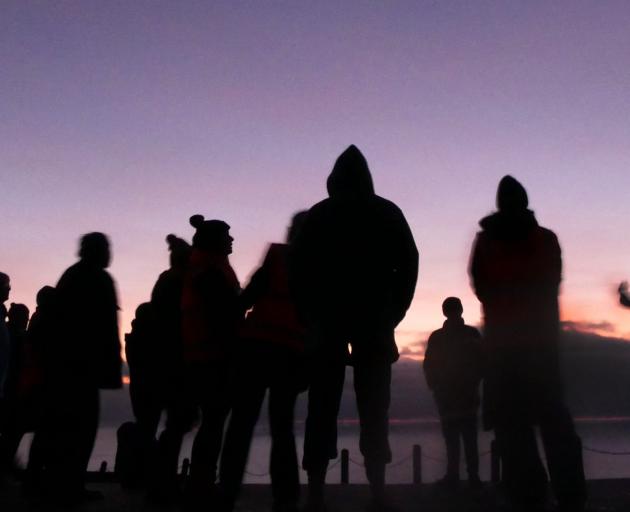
209,233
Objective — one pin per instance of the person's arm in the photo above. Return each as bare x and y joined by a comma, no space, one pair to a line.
478,277
256,288
406,275
427,364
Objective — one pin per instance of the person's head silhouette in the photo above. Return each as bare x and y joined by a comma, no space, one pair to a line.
211,235
46,297
180,251
452,308
5,287
511,195
94,250
18,316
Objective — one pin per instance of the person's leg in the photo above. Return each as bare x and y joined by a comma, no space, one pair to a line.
283,465
563,450
326,377
372,388
75,433
524,475
471,449
248,392
450,431
215,407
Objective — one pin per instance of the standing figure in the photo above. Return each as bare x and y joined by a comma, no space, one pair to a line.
453,369
166,300
515,269
271,346
36,383
353,274
5,343
210,314
14,425
88,359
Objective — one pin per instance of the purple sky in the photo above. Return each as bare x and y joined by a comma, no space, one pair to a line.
128,117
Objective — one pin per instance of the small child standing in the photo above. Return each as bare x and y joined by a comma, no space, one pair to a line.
453,369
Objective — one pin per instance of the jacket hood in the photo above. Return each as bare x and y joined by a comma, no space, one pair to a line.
350,177
511,195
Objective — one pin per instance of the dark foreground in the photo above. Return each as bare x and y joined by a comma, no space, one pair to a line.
605,496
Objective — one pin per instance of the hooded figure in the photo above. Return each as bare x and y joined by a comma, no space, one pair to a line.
515,270
353,274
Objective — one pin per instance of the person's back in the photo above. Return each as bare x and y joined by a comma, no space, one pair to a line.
88,360
355,262
353,274
89,309
453,368
516,270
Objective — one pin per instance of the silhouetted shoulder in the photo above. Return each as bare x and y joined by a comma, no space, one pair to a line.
472,332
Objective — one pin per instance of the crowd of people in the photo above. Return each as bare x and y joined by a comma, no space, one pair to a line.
204,351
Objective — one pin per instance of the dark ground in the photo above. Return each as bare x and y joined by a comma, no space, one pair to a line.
605,496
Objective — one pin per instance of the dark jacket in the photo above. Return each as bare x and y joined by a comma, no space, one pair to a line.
210,308
354,262
516,270
273,318
90,350
453,368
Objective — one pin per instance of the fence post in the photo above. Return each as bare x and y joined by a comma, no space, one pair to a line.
103,468
417,464
345,466
495,462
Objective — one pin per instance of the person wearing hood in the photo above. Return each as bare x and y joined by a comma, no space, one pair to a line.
210,314
87,361
515,270
353,273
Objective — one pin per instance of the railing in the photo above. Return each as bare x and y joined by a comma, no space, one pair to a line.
417,456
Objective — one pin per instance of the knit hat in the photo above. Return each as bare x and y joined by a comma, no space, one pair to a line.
209,233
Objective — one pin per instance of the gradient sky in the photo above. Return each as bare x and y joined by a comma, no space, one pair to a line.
128,117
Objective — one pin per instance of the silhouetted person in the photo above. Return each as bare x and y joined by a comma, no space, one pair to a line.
88,360
624,296
270,358
166,299
453,366
5,344
13,425
146,383
210,313
353,272
516,271
37,383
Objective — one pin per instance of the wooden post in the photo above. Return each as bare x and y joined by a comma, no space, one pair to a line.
495,462
345,466
417,464
103,468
